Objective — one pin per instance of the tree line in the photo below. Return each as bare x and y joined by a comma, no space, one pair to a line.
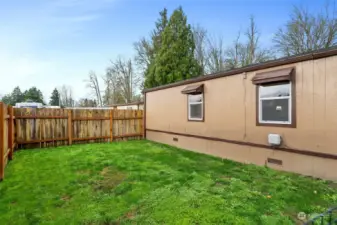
175,50
62,96
32,94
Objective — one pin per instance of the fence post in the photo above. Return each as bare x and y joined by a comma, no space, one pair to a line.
144,117
2,142
111,125
11,132
140,122
70,127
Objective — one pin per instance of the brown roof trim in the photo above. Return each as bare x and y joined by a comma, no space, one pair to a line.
323,53
126,104
289,150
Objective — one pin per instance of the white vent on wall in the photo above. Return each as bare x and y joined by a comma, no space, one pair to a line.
274,139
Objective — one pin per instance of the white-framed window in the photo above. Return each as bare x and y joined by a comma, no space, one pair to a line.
275,103
196,107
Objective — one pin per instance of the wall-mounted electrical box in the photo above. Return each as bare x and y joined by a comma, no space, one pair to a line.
274,139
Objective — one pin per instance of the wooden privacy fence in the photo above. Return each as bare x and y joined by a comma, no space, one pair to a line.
6,136
55,127
31,128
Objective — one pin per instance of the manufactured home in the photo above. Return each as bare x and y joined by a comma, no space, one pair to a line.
132,105
28,104
281,113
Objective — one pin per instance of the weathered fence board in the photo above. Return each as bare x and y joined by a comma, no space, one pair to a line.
6,136
41,128
55,127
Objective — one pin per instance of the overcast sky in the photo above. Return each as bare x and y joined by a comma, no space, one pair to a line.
48,43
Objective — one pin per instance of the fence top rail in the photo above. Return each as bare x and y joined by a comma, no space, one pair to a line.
41,117
73,110
74,119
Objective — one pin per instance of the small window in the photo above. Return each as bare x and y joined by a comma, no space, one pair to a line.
275,103
195,107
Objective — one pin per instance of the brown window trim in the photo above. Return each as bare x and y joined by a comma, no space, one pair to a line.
273,76
293,105
203,109
193,89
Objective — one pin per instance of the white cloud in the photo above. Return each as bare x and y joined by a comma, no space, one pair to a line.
28,56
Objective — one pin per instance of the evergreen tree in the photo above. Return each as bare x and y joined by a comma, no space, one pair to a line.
55,98
17,96
7,99
14,97
153,51
33,94
176,59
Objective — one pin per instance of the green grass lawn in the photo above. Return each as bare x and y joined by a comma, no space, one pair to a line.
141,182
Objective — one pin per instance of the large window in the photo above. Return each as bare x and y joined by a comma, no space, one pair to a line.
276,97
275,103
195,107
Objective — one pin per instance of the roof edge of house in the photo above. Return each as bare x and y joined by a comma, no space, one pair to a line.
322,53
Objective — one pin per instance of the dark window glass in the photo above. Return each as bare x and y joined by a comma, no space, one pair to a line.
275,110
196,111
279,90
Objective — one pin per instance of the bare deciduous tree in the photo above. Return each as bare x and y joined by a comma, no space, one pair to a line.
200,40
121,81
306,32
85,102
144,54
216,55
250,52
113,91
235,55
93,84
66,96
144,49
239,54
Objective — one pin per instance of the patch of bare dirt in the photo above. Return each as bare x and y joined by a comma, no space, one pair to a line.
65,198
105,171
110,179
